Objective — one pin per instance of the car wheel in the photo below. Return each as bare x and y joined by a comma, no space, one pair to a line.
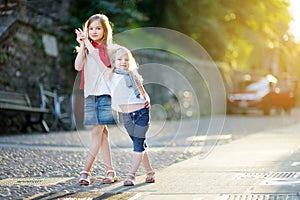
287,110
267,107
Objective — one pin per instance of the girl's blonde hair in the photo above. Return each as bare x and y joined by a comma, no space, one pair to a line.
106,25
114,50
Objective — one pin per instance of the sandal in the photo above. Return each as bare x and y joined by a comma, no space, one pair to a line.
110,179
129,181
85,180
150,177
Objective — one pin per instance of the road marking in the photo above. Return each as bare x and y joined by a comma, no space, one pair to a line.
204,138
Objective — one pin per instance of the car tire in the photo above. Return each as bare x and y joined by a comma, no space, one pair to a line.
287,110
267,107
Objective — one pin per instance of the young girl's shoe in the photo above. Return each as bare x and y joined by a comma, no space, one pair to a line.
129,181
150,177
85,178
110,179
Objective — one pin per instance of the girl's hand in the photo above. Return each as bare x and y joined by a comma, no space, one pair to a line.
147,105
147,102
80,36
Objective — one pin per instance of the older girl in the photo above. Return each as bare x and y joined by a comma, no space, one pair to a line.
97,102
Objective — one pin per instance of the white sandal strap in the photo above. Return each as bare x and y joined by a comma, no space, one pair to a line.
151,172
85,179
128,180
111,171
132,175
85,172
109,178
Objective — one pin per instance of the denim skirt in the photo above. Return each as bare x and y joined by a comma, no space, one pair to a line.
98,111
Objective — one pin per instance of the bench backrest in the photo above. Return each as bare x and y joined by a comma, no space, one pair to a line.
14,98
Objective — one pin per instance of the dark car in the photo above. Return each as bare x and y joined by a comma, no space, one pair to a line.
265,94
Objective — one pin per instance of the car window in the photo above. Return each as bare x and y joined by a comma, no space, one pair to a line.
263,84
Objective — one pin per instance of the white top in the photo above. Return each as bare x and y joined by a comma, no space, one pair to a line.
94,81
123,95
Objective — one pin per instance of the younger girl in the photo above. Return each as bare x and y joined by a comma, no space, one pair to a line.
97,101
129,98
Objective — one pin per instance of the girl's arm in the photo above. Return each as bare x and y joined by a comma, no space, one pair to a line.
92,51
143,93
139,86
80,58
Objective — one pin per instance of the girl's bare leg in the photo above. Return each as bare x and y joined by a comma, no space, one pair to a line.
105,152
146,162
136,161
93,148
150,173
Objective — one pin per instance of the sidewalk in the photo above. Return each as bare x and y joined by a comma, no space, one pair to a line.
265,165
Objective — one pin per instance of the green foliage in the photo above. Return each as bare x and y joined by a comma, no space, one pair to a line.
37,41
3,58
197,19
246,34
123,14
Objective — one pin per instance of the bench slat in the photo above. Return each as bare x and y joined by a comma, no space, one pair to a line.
20,102
14,101
13,107
14,98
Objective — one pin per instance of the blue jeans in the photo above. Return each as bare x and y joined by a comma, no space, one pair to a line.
137,124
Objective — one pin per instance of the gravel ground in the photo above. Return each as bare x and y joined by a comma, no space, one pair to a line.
63,155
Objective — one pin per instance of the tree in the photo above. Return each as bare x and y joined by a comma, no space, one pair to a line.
258,31
246,34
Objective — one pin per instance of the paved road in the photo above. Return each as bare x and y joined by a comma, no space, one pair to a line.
61,155
260,166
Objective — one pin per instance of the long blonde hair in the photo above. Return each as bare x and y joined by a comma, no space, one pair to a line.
114,50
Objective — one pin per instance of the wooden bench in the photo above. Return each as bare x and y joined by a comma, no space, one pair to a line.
20,102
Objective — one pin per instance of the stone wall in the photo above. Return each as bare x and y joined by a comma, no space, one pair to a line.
23,58
29,49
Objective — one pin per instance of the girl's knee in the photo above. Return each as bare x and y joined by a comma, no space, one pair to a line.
97,130
139,144
105,131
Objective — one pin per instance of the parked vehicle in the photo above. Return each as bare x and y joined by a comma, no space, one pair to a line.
264,94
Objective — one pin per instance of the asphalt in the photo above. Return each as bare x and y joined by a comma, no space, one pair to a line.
263,165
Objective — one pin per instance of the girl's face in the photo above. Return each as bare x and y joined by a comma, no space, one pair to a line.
96,31
122,61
